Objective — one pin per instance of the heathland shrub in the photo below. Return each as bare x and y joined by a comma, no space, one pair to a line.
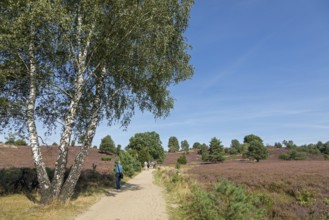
182,159
224,201
203,204
284,156
130,163
326,202
106,158
293,155
326,156
236,203
305,198
177,165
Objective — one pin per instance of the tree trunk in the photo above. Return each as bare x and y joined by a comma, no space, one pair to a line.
70,183
61,160
44,182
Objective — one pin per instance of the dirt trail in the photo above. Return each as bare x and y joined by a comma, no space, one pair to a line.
139,199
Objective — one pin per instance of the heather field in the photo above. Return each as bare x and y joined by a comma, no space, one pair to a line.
296,189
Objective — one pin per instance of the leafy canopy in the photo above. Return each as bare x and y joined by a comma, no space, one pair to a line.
147,146
257,151
251,137
173,144
185,145
138,44
107,145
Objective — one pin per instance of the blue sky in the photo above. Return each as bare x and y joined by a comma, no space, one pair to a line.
261,67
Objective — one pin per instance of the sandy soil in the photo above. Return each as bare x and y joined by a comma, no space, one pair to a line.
139,199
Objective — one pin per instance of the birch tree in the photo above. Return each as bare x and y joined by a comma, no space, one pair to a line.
74,63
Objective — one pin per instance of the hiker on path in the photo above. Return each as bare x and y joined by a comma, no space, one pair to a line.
145,165
118,174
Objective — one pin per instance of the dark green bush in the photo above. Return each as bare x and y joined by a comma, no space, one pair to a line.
182,160
284,156
130,164
326,156
293,155
203,204
236,203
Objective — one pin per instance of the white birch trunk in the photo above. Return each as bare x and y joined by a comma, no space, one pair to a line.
61,161
44,182
70,183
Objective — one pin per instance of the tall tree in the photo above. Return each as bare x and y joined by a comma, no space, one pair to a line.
173,144
236,146
147,146
216,150
196,145
185,146
257,151
251,137
107,145
75,63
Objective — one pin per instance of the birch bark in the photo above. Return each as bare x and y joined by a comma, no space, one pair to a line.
68,188
43,178
61,161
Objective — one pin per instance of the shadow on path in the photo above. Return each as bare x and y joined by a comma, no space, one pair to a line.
125,187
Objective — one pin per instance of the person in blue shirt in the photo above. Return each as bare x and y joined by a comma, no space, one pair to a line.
118,171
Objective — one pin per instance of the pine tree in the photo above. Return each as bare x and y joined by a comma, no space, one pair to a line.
216,150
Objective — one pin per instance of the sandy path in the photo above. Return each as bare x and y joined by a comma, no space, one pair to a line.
139,199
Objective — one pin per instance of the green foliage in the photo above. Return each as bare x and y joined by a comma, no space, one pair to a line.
173,144
224,201
177,165
106,158
256,151
293,155
144,155
202,205
205,156
250,138
129,163
203,148
310,148
216,151
289,144
196,145
20,142
236,203
107,145
79,62
305,198
284,156
147,146
72,143
326,156
137,74
185,146
182,159
326,202
277,145
11,139
235,147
